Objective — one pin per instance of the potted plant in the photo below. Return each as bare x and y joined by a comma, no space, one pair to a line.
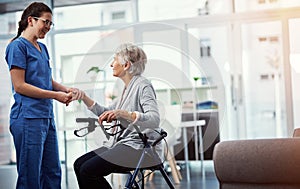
94,70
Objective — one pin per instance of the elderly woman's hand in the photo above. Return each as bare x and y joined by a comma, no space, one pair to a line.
111,115
77,94
107,116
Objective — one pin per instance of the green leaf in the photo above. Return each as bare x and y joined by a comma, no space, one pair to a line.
94,68
196,78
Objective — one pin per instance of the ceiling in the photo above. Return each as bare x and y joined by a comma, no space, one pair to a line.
7,6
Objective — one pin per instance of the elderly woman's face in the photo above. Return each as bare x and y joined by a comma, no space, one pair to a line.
118,68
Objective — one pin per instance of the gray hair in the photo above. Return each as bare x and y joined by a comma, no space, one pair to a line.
128,52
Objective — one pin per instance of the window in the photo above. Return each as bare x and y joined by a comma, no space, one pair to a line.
246,5
9,23
169,9
118,15
92,15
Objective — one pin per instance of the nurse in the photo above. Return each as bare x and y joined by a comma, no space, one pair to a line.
31,119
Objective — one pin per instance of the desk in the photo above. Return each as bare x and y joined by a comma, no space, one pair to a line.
184,125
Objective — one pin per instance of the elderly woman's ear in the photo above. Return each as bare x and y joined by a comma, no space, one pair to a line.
127,65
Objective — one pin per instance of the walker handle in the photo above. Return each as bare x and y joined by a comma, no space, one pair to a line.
91,126
163,134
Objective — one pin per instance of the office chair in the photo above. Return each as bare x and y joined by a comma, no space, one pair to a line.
149,148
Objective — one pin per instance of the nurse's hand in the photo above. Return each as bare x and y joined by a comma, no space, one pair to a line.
76,94
63,97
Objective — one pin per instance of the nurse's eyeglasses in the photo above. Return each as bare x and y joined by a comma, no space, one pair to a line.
47,22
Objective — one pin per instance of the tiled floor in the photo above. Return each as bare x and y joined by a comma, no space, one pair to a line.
198,179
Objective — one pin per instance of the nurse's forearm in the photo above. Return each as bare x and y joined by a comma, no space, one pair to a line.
59,87
21,87
35,92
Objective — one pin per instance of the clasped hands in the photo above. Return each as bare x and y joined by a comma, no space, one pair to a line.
107,116
70,95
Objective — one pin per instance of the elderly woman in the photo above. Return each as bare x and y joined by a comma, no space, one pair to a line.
137,105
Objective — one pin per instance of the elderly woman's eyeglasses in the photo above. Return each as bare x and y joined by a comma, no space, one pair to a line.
47,22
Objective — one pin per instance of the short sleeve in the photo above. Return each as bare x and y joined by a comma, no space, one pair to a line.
16,54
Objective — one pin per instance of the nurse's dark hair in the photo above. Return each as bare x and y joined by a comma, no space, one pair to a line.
35,9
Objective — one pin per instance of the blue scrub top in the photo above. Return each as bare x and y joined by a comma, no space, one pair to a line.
21,53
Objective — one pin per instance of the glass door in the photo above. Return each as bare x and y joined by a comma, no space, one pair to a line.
210,45
263,80
249,57
294,37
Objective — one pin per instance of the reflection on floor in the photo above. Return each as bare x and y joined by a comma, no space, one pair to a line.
198,179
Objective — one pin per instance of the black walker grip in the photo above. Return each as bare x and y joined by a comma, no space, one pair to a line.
163,134
89,120
91,126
